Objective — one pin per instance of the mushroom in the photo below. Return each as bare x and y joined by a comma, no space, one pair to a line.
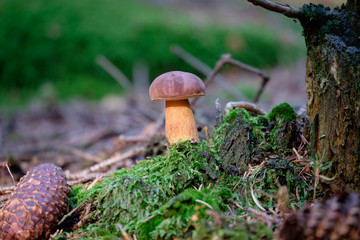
175,88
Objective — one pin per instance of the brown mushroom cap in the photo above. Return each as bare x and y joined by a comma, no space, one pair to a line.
176,85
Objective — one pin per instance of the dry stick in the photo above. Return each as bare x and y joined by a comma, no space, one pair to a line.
128,154
267,220
111,69
218,66
141,81
6,189
147,219
74,210
287,10
246,105
133,139
205,203
204,69
256,200
81,154
123,232
7,167
123,156
226,59
251,69
219,113
237,205
76,179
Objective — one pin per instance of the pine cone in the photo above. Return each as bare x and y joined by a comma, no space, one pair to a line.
338,218
36,205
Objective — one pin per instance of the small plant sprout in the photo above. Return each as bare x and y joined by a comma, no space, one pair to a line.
175,88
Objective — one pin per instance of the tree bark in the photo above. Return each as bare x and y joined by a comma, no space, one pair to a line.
332,84
333,88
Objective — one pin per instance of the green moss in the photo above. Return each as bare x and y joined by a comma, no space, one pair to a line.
75,196
177,215
184,194
240,230
282,111
315,12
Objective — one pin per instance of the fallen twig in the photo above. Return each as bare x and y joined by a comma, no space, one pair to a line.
226,59
246,105
74,179
6,189
256,71
81,154
237,205
111,69
256,201
74,210
132,152
287,10
219,112
204,69
262,216
147,219
206,204
123,232
12,177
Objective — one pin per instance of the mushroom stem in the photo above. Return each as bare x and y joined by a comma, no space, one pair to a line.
179,122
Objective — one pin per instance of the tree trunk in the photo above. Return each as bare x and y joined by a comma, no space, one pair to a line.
333,87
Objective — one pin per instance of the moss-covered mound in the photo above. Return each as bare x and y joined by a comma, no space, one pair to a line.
189,194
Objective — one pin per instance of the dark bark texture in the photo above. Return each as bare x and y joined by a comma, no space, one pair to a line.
333,87
236,148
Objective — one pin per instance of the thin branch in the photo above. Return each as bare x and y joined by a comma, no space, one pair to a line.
132,152
141,82
226,59
6,189
111,69
246,105
204,69
251,69
8,168
81,154
285,9
205,203
123,232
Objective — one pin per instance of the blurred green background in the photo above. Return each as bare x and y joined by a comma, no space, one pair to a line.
57,42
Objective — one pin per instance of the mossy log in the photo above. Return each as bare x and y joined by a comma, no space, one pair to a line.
332,83
245,139
333,87
236,148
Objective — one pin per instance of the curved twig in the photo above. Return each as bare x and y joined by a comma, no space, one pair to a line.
246,105
285,9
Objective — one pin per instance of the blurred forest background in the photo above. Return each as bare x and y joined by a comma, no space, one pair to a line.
53,45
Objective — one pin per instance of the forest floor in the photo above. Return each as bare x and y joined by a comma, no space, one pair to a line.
90,139
79,133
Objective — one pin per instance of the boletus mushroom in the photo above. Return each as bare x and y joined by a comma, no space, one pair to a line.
176,88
